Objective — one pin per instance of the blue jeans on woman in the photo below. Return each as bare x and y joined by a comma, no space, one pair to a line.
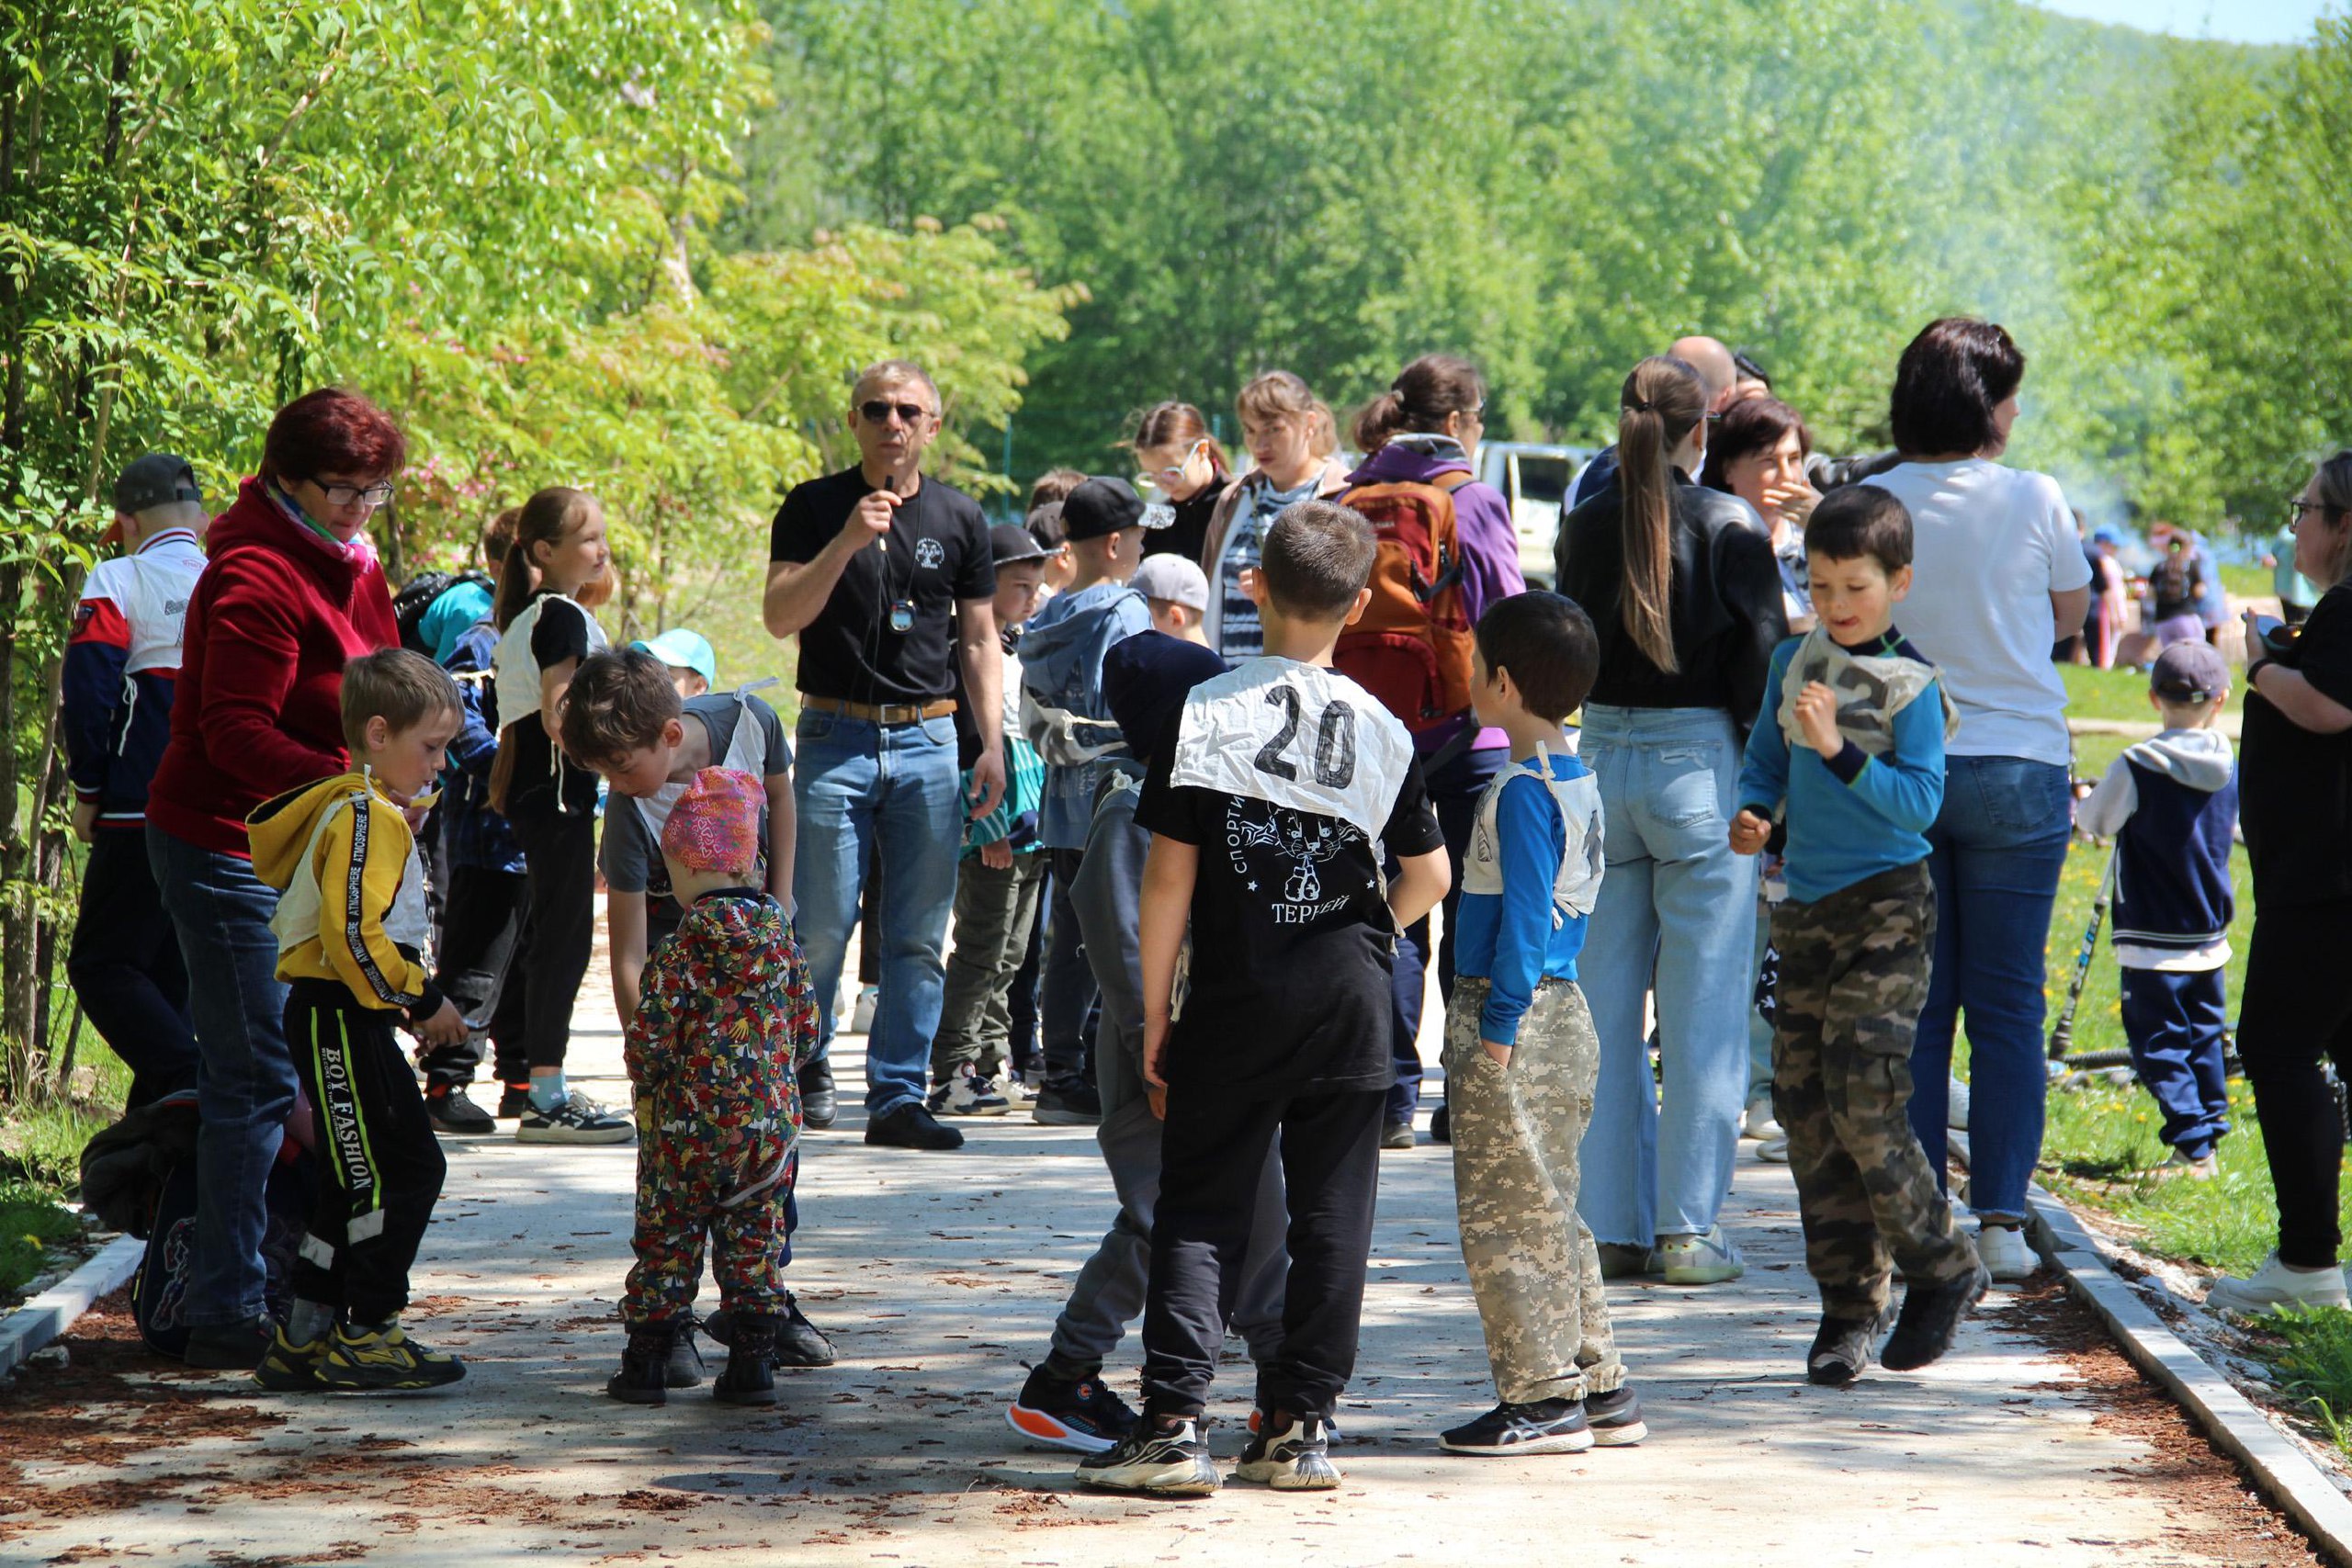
1677,914
1994,852
891,789
245,1080
1453,790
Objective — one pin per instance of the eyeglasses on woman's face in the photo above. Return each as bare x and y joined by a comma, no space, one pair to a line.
2297,507
1175,473
340,494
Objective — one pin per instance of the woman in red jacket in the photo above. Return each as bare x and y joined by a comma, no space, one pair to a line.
292,590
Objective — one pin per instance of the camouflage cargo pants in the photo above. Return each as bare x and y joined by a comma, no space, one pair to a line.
1533,1264
1853,974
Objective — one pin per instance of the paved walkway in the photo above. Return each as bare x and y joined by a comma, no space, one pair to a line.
936,1275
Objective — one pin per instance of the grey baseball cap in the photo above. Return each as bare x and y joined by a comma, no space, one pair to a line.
157,479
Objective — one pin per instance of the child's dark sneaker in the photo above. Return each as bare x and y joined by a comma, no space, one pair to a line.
1162,1458
513,1101
644,1377
799,1342
1078,1413
749,1376
1841,1349
579,1120
1544,1427
1929,1318
1294,1456
380,1357
289,1367
1615,1419
451,1111
684,1367
230,1346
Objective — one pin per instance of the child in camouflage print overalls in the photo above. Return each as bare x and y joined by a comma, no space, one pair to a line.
1850,751
726,1014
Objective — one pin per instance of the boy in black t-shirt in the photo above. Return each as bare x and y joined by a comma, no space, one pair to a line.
1269,808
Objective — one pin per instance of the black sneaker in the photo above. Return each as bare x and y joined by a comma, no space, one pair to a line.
579,1120
1078,1413
749,1376
1615,1419
1068,1101
683,1369
1620,1260
1545,1427
1156,1460
1440,1125
453,1112
1841,1349
1929,1318
1397,1135
644,1377
799,1342
1295,1457
817,1105
910,1127
230,1346
514,1102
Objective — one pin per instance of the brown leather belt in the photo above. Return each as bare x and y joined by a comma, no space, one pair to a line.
879,713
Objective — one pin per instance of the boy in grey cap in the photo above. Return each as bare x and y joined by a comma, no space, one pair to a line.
1177,591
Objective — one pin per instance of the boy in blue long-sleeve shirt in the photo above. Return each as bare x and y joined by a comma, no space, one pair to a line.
1850,751
1520,1054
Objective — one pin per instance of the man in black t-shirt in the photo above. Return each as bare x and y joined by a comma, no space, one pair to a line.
885,577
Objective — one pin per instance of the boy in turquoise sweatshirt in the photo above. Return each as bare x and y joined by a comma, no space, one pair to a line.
1848,750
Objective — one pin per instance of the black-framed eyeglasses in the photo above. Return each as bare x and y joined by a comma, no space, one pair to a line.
875,412
2297,507
375,495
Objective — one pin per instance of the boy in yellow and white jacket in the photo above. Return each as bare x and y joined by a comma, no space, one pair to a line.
351,927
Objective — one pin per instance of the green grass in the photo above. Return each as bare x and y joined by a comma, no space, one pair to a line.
2247,580
40,1146
2093,693
2311,1355
30,1223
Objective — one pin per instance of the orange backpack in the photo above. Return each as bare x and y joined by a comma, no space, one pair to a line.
1412,647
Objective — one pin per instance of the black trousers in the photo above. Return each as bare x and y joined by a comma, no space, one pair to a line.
480,934
126,967
379,1165
1213,1154
2298,1008
559,926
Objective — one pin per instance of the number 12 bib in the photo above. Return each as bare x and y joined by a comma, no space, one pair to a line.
1297,737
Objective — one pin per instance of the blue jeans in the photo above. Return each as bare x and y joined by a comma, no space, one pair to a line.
1995,851
893,790
245,1080
1677,914
2174,1023
1453,790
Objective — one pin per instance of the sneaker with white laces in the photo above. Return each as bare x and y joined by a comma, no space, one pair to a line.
1295,1457
579,1120
1159,1459
2275,1286
1709,1260
2007,1258
1759,1121
969,1094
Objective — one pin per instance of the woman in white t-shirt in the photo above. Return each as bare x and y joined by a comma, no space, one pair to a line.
1998,576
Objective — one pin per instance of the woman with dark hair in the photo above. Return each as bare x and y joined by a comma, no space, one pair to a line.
1998,577
1685,595
1424,431
1178,456
291,591
2295,801
1759,452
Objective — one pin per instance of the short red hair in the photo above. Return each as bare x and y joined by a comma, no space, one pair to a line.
332,432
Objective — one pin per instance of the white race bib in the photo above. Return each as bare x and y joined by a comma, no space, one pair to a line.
1296,737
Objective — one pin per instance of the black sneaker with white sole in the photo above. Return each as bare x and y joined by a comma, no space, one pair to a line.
450,1110
1930,1317
1293,1457
1615,1419
1162,1458
1080,1414
579,1120
1542,1427
1841,1351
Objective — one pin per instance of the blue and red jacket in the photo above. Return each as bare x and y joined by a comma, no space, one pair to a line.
122,666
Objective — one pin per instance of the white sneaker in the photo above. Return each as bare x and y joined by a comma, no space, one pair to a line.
861,1017
1774,1150
1956,1111
1709,1260
969,1094
1016,1093
2274,1285
2005,1253
1758,1121
2179,1164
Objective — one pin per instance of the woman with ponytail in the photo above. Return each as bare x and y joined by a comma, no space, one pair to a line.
1686,596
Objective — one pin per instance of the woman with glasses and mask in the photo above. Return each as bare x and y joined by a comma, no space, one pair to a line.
1291,435
1177,457
2295,804
292,591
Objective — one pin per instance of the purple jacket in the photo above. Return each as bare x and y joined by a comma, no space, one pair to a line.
1481,522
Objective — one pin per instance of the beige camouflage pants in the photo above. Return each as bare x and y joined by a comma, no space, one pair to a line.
1533,1264
1853,976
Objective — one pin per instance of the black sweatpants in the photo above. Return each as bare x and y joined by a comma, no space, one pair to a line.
126,967
2296,1008
379,1165
558,926
481,933
1213,1156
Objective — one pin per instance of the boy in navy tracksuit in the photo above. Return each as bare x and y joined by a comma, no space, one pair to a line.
121,666
2170,803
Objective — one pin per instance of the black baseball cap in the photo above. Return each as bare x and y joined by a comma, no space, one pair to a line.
1101,506
157,479
1010,543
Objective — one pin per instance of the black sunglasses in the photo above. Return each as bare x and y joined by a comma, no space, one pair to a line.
876,410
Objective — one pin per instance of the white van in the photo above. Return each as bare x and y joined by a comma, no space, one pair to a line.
1535,478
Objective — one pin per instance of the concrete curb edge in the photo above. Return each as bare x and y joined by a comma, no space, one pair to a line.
2282,1472
40,1320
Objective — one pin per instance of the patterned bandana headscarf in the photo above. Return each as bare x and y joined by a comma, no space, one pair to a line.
715,826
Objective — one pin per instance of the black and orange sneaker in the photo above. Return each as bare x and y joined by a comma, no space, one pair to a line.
1080,1414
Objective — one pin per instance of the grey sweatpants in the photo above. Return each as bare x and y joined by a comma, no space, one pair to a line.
1109,1293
